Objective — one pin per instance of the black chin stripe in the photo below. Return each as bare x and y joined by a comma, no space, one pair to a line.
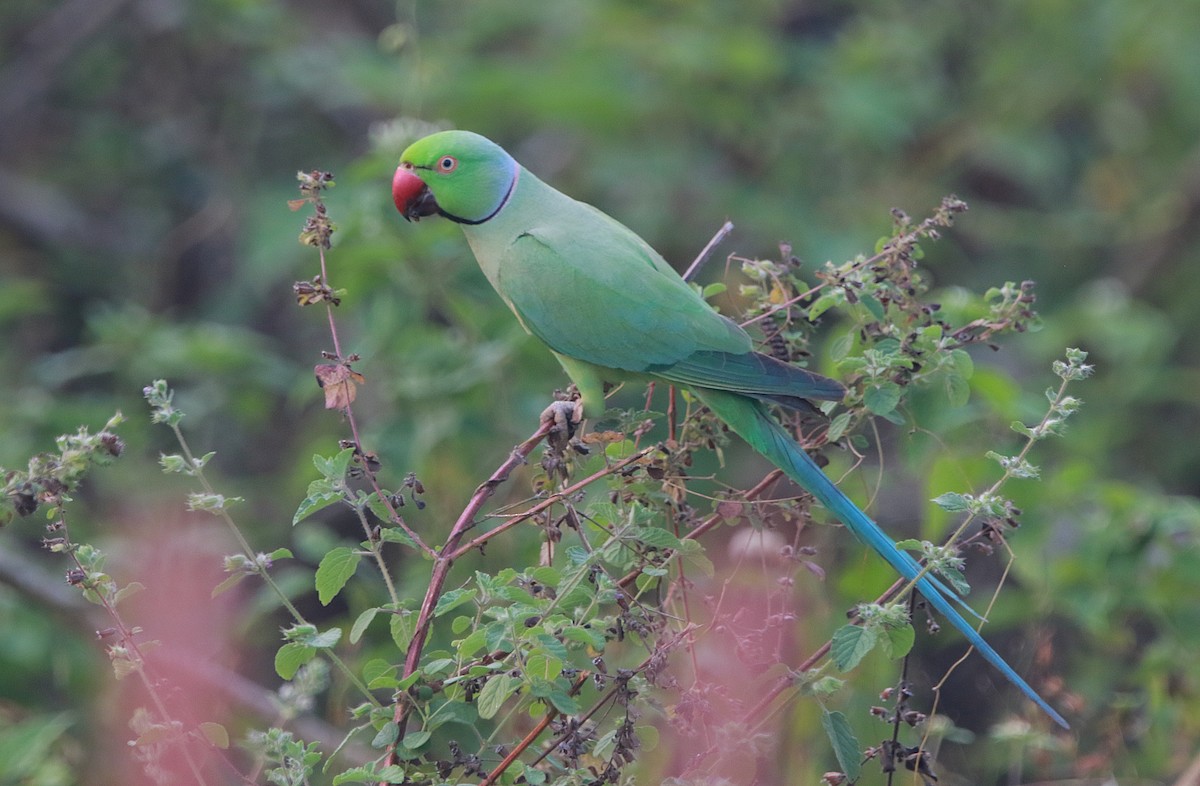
473,222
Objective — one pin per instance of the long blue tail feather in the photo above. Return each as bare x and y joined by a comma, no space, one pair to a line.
750,419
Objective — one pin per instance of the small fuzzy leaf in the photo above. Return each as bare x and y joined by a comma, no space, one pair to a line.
453,599
335,570
882,399
897,641
360,624
495,692
290,657
845,744
955,503
850,645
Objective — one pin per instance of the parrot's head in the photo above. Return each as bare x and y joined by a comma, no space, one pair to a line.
457,174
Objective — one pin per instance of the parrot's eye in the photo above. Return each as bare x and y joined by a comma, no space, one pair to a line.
447,164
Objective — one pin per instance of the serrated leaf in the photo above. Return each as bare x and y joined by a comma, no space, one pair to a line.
838,426
415,739
401,626
128,591
473,643
375,669
543,665
396,535
495,692
326,639
1022,429
954,578
955,503
958,390
453,599
850,644
821,305
840,347
313,502
872,305
356,775
897,641
546,575
386,736
657,537
216,734
334,467
700,561
882,399
564,702
290,657
360,624
335,570
229,583
845,744
584,635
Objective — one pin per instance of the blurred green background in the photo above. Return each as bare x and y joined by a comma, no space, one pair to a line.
148,148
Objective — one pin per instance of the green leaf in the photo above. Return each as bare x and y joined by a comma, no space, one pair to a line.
360,624
958,390
378,673
821,305
326,639
129,590
564,702
229,583
845,744
280,553
453,599
838,426
402,626
216,734
414,740
334,468
290,657
657,537
335,570
872,305
546,575
316,500
955,503
714,289
386,736
897,641
882,399
850,644
396,535
495,692
543,665
964,366
840,347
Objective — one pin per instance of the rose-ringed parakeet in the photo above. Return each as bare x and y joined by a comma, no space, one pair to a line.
612,310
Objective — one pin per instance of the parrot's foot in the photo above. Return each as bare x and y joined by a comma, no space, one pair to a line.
564,415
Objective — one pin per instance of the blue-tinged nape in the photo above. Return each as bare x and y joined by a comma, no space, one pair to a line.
750,420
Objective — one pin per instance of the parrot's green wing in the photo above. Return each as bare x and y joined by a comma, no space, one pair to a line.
631,312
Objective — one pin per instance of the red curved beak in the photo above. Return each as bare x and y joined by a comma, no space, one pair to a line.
413,198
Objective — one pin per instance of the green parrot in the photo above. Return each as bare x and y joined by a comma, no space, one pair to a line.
612,310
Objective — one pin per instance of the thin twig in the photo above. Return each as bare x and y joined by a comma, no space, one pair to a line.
706,252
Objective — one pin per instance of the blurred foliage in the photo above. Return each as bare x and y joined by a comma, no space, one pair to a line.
149,148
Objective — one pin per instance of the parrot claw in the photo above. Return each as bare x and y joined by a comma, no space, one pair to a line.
565,415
